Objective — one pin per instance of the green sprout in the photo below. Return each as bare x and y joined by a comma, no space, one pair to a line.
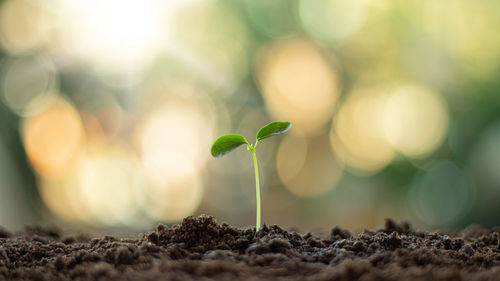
226,143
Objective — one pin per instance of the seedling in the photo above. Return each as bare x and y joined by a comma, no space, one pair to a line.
226,143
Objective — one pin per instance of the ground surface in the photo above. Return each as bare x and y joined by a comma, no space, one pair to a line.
201,249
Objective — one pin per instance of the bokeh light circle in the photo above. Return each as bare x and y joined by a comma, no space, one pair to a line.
105,186
415,120
111,184
441,195
174,142
485,158
291,157
307,167
27,83
63,199
24,26
298,83
54,138
174,200
332,20
357,134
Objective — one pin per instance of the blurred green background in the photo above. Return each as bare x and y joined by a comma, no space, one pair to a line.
108,110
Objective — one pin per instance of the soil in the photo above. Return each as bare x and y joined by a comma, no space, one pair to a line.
201,249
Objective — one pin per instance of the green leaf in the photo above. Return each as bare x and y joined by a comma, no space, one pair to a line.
272,129
226,143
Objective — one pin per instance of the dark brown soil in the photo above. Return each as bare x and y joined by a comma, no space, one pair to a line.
201,249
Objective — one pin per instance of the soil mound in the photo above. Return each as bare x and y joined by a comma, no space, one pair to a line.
201,249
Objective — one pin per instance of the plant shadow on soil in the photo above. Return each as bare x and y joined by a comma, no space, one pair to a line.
201,249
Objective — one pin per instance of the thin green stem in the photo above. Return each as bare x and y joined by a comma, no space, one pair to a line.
257,189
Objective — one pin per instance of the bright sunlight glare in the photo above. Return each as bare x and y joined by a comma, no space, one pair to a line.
116,32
